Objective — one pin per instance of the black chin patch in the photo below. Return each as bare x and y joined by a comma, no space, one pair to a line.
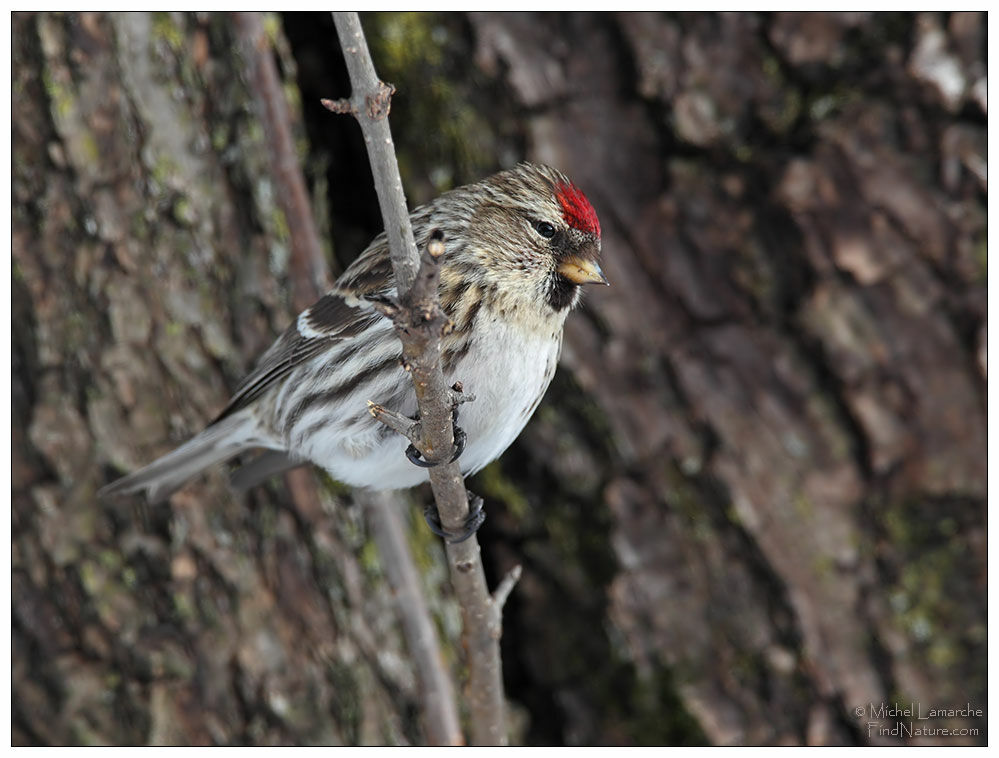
561,292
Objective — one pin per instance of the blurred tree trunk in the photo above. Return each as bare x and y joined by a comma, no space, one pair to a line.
149,269
789,363
753,500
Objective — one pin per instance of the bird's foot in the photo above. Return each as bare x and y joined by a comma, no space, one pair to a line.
460,438
476,517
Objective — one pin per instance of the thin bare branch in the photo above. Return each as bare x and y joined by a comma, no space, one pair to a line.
307,264
366,86
396,422
342,106
422,323
506,586
308,271
309,280
436,690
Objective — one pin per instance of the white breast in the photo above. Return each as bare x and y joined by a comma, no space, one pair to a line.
507,369
508,379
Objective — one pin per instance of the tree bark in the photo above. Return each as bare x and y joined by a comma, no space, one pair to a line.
753,501
149,269
788,366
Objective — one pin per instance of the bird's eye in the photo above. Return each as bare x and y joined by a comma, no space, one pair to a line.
545,229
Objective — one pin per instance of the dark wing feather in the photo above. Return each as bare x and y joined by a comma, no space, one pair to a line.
290,350
330,321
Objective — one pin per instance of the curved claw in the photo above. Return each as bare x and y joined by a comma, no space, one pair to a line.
460,438
417,459
476,517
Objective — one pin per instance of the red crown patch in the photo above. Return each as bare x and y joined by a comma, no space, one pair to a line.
576,209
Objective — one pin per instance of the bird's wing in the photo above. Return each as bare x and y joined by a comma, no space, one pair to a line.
342,313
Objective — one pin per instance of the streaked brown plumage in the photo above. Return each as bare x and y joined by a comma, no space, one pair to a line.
518,245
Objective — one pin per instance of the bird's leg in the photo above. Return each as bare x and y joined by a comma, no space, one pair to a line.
460,438
410,428
476,517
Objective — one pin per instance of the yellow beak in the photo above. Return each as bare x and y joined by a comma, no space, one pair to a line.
582,271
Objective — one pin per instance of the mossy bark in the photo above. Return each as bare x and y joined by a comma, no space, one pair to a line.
149,270
753,500
788,367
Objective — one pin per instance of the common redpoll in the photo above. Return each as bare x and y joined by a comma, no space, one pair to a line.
518,245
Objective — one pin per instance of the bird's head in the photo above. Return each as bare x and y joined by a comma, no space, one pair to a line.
533,239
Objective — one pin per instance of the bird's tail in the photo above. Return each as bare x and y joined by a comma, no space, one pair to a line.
161,478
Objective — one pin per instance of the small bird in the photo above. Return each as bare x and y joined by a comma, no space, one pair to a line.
517,247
